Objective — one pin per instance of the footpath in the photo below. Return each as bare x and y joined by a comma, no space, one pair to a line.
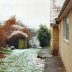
52,63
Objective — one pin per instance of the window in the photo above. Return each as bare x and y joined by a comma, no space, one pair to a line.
66,29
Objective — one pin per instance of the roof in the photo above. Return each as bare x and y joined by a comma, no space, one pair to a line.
18,33
67,6
53,24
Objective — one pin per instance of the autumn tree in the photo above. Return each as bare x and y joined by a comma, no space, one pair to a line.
3,37
10,21
27,31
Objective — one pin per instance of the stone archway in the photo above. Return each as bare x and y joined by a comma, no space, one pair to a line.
18,39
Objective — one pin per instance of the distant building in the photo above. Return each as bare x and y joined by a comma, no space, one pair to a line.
55,9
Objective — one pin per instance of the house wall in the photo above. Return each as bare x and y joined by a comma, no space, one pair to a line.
65,48
55,40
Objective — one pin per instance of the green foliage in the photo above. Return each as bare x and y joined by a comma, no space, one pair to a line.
6,51
44,36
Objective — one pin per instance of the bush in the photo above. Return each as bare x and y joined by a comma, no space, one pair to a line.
44,36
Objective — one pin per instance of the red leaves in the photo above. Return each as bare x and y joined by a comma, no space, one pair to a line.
10,21
27,31
3,35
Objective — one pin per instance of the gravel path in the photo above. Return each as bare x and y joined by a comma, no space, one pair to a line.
23,61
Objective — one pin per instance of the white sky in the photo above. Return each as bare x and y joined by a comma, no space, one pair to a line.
31,12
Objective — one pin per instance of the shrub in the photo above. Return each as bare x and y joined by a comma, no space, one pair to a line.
44,36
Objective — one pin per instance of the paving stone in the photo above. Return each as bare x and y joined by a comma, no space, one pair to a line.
51,63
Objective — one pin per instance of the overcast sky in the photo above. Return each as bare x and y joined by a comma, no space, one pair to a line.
31,12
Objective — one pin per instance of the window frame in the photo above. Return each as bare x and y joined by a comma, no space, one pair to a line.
66,30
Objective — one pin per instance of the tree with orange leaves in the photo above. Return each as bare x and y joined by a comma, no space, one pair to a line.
11,21
27,31
3,37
